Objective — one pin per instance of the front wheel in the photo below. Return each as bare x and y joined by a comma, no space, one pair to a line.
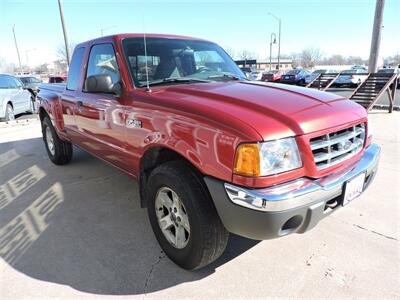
59,151
183,216
10,116
32,105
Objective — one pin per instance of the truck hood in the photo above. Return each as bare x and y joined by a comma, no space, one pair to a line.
273,110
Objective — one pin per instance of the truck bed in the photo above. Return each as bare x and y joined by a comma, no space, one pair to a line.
54,87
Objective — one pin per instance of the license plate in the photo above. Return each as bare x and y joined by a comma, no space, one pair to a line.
353,188
287,77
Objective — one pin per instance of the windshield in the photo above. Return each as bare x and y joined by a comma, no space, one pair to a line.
386,70
178,58
353,71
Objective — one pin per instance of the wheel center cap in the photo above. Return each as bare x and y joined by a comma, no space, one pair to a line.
173,217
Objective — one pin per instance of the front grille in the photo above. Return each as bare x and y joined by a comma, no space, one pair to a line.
335,147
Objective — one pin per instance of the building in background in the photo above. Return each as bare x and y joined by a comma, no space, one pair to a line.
285,64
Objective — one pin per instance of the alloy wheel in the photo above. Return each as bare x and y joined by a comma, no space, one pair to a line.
50,141
172,217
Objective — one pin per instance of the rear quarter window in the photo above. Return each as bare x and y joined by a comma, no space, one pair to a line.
74,74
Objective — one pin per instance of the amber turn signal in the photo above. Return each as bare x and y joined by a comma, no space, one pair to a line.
247,160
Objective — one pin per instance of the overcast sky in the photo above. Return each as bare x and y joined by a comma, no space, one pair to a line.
334,26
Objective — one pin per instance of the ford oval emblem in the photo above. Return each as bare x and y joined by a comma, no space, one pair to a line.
344,145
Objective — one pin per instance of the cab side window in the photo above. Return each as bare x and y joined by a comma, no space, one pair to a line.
3,82
102,60
11,82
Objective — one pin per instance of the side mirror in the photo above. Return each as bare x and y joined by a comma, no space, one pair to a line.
117,89
102,83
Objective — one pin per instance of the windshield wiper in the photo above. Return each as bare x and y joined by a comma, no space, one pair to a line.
176,80
225,75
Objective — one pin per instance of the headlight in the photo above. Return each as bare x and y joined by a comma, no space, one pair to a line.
262,159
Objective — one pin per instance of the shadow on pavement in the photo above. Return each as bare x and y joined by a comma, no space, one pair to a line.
81,225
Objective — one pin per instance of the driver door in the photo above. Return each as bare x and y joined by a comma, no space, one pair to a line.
100,117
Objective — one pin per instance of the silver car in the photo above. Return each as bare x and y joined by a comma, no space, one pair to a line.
352,77
13,98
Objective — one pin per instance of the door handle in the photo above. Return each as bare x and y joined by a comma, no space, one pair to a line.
79,105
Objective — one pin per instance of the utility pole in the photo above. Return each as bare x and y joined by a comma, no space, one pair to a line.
273,35
16,47
279,38
376,36
64,31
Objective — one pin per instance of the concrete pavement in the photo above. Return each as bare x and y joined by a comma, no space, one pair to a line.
77,232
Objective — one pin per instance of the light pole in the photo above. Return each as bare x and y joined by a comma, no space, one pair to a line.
64,31
270,49
279,38
16,47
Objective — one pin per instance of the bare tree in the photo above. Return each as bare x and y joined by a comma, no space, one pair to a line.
230,51
354,60
61,53
246,55
6,67
393,60
337,59
296,59
41,69
309,57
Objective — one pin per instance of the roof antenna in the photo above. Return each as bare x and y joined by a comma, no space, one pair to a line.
147,70
147,89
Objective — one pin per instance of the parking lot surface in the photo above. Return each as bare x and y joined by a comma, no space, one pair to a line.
77,232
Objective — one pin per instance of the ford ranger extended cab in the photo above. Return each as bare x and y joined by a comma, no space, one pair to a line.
213,152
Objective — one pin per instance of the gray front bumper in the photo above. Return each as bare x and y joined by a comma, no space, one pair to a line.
296,206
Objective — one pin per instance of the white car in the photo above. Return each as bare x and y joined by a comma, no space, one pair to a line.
13,98
351,77
393,70
255,75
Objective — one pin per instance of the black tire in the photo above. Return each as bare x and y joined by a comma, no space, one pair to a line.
9,113
208,237
62,151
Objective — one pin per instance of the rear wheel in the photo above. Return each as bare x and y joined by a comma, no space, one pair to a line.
9,113
183,216
59,151
32,105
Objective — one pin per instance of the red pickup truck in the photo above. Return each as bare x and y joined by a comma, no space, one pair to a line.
213,152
